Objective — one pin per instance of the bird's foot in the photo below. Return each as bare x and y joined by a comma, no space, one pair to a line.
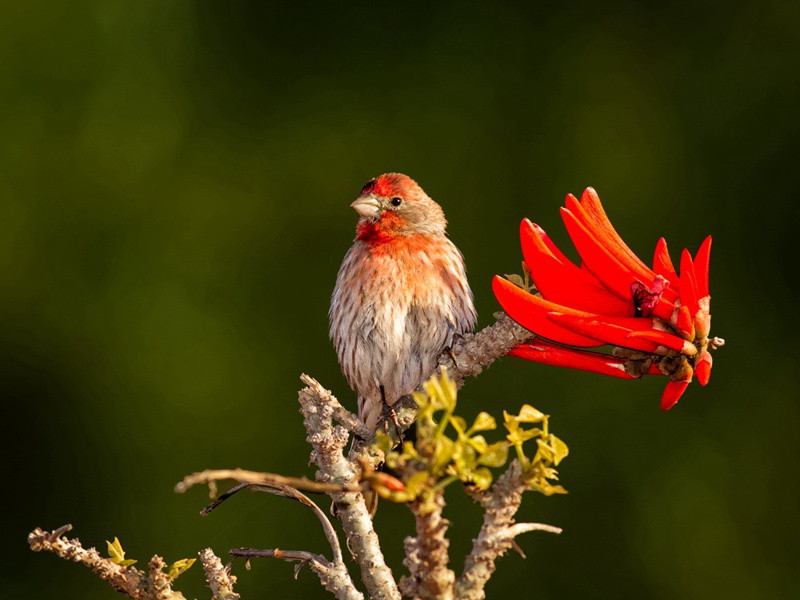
396,422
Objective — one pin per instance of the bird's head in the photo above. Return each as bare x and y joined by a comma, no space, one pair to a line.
393,204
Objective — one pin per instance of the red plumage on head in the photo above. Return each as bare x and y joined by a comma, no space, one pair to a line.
389,184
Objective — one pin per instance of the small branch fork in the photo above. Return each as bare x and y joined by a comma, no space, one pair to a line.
332,574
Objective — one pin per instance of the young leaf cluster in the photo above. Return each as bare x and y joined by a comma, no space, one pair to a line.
448,449
538,470
117,555
524,281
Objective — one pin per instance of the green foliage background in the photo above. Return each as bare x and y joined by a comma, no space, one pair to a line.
174,183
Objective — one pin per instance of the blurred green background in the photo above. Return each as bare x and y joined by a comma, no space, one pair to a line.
175,180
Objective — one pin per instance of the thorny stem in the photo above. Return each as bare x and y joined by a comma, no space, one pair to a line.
427,555
219,578
497,534
153,585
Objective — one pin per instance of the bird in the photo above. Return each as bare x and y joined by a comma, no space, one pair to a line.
401,296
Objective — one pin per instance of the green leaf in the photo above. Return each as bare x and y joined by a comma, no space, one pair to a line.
179,566
482,478
383,442
409,451
416,483
560,450
545,452
549,490
523,435
516,280
483,422
495,455
459,423
442,454
528,414
479,443
117,555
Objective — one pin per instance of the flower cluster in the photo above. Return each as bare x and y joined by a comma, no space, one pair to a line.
657,320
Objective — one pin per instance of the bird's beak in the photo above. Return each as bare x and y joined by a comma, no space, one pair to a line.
368,207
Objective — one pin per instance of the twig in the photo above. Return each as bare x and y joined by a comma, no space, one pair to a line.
334,578
333,575
519,528
327,528
219,578
212,475
154,585
427,556
208,508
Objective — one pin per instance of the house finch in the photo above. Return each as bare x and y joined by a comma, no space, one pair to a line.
401,296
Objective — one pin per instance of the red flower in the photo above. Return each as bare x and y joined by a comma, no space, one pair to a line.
657,320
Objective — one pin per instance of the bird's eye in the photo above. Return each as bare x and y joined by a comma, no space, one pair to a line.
396,201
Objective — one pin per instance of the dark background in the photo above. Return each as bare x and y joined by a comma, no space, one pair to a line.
174,183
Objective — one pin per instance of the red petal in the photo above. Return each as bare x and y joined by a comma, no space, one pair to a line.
672,393
702,368
594,210
701,264
664,309
688,284
559,356
550,244
597,258
665,339
565,283
671,293
662,263
613,333
683,323
531,312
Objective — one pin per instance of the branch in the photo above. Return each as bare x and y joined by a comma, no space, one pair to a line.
476,351
427,556
497,533
210,476
154,585
334,577
327,528
319,407
219,578
473,353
